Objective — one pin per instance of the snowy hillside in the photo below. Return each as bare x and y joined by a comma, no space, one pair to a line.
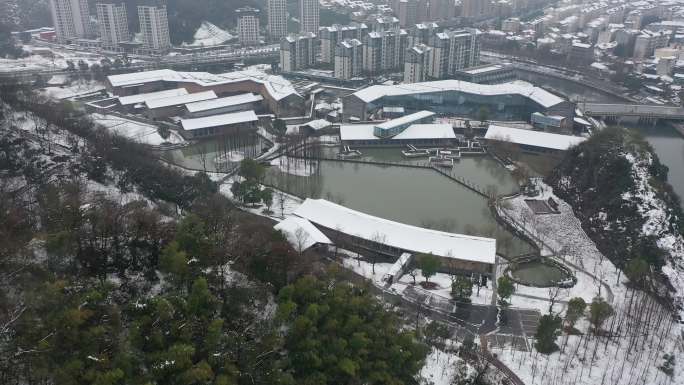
208,34
658,222
619,190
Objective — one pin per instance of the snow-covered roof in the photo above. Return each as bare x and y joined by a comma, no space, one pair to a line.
180,99
228,101
301,233
539,95
532,138
132,78
398,265
219,120
485,68
395,234
396,110
318,124
141,98
405,119
277,86
414,131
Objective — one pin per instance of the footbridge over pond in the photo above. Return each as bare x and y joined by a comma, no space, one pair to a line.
646,111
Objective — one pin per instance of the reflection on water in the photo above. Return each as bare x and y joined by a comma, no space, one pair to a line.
419,197
669,145
219,153
538,274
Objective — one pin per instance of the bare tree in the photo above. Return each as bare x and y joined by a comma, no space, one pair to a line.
281,198
413,273
203,156
379,239
555,293
301,238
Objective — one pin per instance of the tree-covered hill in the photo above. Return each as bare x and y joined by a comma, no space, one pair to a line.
619,190
116,269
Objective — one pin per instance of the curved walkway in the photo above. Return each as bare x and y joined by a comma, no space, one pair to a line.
546,250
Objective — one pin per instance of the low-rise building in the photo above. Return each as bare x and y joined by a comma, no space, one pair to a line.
224,124
530,141
487,74
173,106
458,253
551,122
241,102
278,94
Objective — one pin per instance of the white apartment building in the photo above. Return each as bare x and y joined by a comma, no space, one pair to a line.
248,25
384,51
453,51
154,26
348,59
416,64
277,19
308,16
297,52
113,24
71,19
331,36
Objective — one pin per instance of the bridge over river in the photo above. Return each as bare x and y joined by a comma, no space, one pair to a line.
647,111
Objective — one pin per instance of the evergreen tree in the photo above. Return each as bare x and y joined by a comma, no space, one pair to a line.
547,332
504,290
462,288
575,311
599,311
429,264
334,335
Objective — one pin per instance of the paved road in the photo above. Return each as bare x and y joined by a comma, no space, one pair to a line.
479,319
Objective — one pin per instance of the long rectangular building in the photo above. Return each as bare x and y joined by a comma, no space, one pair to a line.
433,134
516,99
233,103
532,141
224,124
457,252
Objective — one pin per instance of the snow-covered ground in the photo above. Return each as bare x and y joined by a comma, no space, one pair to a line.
295,166
561,235
658,223
633,354
73,89
283,206
208,34
134,130
441,368
55,60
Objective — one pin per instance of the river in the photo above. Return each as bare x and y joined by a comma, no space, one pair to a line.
667,143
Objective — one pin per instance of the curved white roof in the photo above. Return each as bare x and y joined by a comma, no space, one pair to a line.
533,138
277,86
301,233
395,234
539,95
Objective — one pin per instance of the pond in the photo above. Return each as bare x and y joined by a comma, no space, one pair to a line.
539,274
419,197
217,154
